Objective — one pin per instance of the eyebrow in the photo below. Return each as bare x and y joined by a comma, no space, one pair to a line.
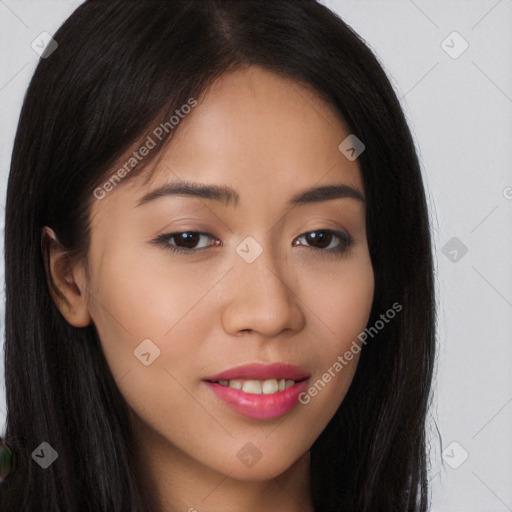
227,195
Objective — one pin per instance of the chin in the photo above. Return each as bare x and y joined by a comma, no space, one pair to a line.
253,464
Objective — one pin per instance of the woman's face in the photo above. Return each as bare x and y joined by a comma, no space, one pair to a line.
260,279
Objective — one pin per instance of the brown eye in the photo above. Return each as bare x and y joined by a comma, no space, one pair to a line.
326,240
319,239
187,242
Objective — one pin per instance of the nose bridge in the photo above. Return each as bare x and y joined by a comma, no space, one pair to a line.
260,297
266,275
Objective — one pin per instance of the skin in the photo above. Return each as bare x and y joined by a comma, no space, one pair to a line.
269,139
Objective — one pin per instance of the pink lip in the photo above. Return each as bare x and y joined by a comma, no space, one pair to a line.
259,371
260,406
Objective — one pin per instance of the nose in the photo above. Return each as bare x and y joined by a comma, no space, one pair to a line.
260,299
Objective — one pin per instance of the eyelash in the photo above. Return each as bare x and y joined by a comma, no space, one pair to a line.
345,241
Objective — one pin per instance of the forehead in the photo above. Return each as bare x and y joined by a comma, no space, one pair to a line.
258,132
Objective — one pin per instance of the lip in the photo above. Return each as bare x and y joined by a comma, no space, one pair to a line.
260,371
260,406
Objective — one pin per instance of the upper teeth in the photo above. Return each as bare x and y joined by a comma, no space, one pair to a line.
258,387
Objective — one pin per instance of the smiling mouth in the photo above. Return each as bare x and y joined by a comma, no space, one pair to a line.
258,387
260,390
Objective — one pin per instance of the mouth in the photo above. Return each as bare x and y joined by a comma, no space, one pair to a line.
258,387
260,391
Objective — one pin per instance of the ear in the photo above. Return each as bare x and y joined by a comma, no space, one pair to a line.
66,280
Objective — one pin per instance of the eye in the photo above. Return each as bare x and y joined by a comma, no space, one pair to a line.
187,241
325,240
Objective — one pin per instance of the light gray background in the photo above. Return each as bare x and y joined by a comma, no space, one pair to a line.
459,110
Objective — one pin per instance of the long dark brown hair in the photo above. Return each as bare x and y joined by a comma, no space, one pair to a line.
121,66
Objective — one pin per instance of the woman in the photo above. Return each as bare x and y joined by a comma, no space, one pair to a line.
219,285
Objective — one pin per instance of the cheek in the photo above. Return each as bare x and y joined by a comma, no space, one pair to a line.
339,298
140,296
151,322
340,302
